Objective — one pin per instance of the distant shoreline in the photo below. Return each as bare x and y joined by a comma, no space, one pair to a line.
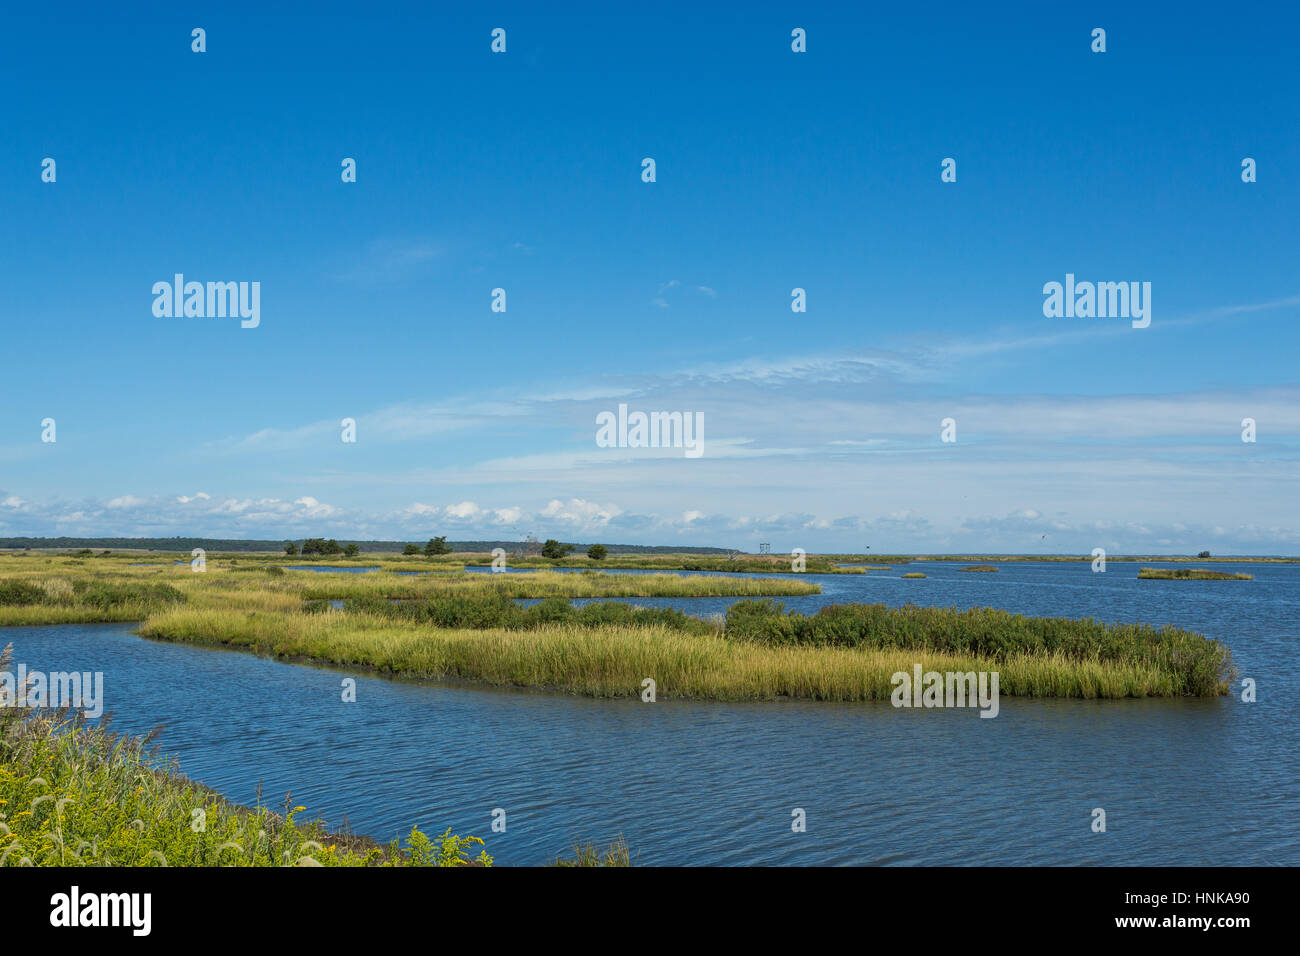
483,550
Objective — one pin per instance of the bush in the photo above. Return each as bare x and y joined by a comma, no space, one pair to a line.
20,592
597,552
554,550
98,594
321,546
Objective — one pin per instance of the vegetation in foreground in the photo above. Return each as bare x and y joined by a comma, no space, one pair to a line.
72,794
1191,574
589,854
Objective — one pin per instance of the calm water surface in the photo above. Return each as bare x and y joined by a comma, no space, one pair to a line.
1182,781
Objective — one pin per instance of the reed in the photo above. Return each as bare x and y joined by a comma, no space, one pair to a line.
1192,663
613,661
495,610
589,854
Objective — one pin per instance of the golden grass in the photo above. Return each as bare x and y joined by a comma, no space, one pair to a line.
248,586
612,662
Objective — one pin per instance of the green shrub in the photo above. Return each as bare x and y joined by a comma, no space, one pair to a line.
481,612
20,592
102,595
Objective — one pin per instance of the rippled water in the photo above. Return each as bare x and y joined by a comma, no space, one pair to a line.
1182,781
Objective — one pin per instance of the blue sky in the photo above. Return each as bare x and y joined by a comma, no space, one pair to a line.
774,170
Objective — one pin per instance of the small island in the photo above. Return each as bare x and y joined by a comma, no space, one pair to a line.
1191,574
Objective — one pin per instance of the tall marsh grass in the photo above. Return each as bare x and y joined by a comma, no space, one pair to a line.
498,610
589,854
47,600
46,591
1192,663
613,661
545,584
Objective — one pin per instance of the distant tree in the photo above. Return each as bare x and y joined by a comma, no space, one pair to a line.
352,550
597,552
313,546
332,547
553,549
1204,554
437,546
291,549
411,549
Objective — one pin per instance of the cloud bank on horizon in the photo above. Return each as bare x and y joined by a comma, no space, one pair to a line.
1046,473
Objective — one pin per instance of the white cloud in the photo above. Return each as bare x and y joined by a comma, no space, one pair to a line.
466,509
579,512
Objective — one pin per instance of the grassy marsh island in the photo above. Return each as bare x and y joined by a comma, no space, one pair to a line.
49,590
470,626
979,567
1191,574
913,574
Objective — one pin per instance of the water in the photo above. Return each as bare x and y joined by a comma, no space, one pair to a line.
1182,781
